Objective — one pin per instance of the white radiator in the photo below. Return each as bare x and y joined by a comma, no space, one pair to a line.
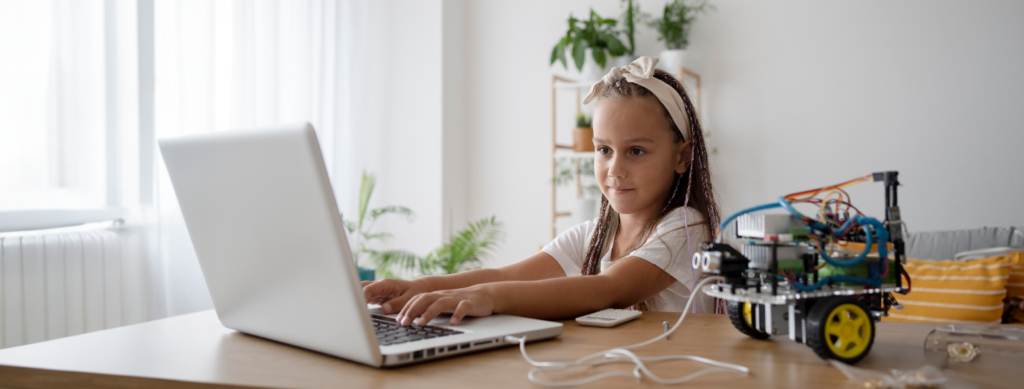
68,283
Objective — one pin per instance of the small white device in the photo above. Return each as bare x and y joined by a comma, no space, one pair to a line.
608,317
264,222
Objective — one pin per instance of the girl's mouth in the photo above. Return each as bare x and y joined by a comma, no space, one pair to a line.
619,191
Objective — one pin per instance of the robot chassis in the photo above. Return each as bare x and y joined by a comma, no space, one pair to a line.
834,318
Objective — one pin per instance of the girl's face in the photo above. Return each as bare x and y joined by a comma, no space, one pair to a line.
636,155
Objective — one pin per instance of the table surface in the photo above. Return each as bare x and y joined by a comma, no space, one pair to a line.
194,350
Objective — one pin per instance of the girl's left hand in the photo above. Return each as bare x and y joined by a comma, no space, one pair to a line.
471,301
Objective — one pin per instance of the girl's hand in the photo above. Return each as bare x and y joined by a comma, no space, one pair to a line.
472,301
391,294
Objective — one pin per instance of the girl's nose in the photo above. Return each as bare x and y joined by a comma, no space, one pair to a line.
616,167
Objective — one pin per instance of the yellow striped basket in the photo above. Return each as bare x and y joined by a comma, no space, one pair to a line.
967,292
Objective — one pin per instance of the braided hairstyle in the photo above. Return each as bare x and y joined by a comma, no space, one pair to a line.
697,193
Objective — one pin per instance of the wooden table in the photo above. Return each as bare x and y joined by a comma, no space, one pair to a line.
194,350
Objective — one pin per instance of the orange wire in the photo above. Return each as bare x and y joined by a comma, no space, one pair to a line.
837,186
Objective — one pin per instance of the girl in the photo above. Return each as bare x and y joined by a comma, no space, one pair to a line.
657,206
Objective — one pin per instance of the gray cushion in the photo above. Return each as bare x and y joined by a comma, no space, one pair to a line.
939,245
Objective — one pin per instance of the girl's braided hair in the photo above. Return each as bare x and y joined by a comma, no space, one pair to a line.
698,193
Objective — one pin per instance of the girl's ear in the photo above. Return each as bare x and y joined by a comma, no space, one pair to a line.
684,151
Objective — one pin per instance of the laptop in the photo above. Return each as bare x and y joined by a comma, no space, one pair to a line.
265,226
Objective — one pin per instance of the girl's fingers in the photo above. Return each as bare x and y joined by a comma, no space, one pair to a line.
376,290
392,305
460,312
364,283
405,309
416,307
380,291
446,304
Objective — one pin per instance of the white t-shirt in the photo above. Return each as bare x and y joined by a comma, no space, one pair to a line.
670,253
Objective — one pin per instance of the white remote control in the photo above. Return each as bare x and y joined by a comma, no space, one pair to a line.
608,317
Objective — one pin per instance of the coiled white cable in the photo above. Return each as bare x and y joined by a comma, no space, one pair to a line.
622,354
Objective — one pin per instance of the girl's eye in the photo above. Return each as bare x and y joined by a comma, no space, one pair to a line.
637,151
604,150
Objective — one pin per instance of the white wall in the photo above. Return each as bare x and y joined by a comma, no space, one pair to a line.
453,86
508,114
798,94
805,93
398,100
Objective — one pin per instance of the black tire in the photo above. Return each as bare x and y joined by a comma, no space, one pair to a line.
827,338
735,309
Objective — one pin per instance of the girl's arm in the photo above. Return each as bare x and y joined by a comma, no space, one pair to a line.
629,281
393,294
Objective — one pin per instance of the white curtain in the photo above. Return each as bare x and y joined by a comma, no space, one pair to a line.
70,111
236,64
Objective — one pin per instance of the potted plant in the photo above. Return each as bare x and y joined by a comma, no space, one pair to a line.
631,16
583,134
464,251
595,39
673,28
361,230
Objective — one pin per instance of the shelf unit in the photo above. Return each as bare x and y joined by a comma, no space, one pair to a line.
559,151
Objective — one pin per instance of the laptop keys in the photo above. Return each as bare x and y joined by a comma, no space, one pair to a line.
390,332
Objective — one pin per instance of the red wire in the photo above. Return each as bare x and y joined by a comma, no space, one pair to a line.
907,276
846,231
818,190
885,261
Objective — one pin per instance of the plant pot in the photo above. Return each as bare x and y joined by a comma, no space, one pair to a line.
367,273
582,139
591,70
624,60
583,209
671,60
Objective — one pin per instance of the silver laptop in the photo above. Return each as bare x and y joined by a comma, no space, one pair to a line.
265,225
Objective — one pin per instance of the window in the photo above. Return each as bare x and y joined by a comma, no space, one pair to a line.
61,118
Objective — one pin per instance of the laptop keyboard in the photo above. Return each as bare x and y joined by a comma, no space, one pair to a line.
390,332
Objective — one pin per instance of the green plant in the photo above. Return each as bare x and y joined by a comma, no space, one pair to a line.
361,229
566,170
465,251
631,16
582,120
674,25
596,33
468,247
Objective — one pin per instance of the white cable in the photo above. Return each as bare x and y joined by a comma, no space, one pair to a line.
622,354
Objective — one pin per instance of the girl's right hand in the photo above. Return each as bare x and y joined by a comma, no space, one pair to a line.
392,294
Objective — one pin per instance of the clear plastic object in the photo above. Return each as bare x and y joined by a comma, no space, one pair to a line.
973,344
926,376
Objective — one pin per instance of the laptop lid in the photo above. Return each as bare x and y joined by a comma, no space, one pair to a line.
262,217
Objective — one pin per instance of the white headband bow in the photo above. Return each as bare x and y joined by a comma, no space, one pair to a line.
641,72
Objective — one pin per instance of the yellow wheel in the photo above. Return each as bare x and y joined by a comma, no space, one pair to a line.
840,328
741,314
748,316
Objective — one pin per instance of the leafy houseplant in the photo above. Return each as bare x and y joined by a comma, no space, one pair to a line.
673,28
467,248
361,229
631,16
464,251
597,34
583,134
